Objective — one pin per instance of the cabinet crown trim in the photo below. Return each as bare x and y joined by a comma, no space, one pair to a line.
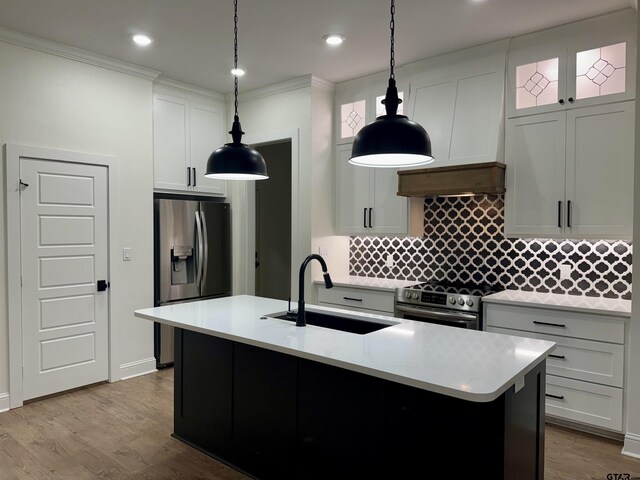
77,54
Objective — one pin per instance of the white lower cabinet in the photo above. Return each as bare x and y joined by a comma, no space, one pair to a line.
585,373
357,299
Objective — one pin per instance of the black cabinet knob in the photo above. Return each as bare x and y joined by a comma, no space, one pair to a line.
561,101
571,100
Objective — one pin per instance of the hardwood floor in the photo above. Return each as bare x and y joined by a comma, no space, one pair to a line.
122,431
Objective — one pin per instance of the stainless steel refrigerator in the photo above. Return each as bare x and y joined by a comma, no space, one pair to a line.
192,258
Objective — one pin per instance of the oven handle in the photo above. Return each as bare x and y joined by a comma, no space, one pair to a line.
426,312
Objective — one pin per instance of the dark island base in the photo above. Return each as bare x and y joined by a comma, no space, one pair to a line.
278,416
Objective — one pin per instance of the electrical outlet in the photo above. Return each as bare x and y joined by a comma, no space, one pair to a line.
388,262
322,251
565,271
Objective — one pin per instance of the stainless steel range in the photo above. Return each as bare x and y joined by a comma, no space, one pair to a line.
455,304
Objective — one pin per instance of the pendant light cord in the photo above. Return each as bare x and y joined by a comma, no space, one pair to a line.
235,53
392,26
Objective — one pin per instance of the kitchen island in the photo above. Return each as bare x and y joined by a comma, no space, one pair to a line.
280,401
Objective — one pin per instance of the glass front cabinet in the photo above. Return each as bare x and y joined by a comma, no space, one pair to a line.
577,73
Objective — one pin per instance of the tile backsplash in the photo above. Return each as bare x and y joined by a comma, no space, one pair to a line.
464,241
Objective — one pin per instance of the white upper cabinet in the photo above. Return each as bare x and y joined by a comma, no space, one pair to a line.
460,106
366,198
186,129
170,142
534,177
589,69
207,134
570,174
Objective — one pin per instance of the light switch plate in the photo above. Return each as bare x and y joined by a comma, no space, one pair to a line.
565,271
322,251
389,261
126,254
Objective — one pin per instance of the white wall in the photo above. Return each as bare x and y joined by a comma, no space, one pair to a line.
50,101
266,116
323,189
632,437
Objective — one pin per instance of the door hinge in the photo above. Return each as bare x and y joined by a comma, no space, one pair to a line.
21,282
23,371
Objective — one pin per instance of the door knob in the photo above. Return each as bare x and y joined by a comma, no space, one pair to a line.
103,285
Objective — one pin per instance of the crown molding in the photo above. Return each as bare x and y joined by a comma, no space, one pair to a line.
185,87
73,53
275,89
322,84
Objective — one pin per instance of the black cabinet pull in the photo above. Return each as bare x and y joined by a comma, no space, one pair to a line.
559,213
560,357
549,324
569,214
364,217
370,212
188,176
352,299
103,285
571,100
194,176
558,397
561,101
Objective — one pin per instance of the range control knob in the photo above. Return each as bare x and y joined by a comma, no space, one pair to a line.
452,300
415,295
407,294
461,302
469,302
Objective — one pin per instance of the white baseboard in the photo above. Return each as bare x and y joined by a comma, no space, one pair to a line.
137,368
631,445
5,403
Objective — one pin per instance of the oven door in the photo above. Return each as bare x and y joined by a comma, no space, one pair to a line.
450,318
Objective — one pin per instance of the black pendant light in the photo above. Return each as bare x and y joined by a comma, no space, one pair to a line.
392,140
236,161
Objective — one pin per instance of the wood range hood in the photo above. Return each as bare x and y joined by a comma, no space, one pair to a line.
474,178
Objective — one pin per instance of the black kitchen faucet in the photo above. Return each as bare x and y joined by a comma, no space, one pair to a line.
300,320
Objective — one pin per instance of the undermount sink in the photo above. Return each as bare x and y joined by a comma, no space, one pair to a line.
335,322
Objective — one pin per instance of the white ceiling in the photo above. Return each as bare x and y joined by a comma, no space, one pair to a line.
282,39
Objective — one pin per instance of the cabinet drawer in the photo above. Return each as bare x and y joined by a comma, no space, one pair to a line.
586,360
357,297
584,402
556,322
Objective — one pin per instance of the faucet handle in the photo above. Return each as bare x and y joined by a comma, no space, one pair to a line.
327,280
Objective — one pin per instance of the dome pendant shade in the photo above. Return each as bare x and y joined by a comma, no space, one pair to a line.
391,141
236,161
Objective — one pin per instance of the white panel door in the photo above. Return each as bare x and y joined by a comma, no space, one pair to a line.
353,193
535,175
390,211
64,241
600,154
207,124
170,143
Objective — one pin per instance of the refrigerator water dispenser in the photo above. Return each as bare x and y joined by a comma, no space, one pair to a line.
182,263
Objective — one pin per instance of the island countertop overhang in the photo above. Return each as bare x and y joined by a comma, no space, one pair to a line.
470,365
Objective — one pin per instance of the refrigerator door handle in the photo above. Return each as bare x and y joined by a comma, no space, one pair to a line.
200,249
205,243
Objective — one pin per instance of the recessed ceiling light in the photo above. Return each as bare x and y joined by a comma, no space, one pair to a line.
334,39
142,40
238,72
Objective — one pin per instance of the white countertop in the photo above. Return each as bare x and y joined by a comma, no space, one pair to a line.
372,283
575,303
471,365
